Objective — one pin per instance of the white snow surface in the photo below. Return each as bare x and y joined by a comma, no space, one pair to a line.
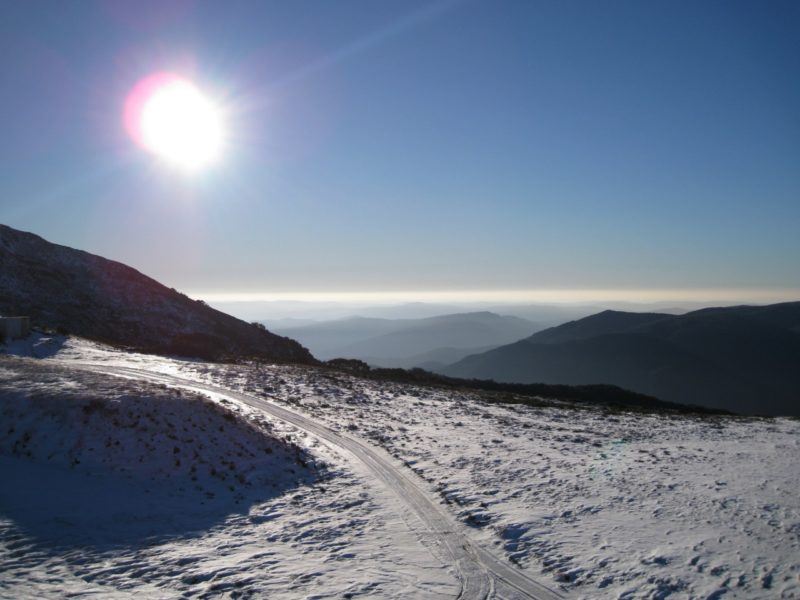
266,513
606,504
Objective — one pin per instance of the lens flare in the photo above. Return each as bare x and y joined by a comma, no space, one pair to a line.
170,117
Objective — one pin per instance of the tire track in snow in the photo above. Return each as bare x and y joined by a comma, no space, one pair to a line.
479,570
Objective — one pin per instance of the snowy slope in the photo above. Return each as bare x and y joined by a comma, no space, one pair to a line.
615,505
97,501
608,504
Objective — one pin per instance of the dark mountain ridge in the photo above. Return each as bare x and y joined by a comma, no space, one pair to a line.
740,358
100,299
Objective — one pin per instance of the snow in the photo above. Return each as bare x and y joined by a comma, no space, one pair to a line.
618,505
608,504
96,501
54,415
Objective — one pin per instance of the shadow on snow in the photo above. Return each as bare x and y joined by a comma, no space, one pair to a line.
56,507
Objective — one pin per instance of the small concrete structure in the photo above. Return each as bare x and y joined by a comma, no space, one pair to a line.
14,328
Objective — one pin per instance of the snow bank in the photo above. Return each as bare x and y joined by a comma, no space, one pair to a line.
78,419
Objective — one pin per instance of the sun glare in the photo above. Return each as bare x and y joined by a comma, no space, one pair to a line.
169,116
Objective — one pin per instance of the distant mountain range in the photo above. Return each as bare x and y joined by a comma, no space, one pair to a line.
96,298
743,358
432,360
410,342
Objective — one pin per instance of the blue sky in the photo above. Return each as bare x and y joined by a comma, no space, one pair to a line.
419,147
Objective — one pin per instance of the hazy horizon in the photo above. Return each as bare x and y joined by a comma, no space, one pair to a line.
549,305
533,296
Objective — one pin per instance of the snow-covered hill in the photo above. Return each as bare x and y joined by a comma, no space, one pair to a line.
605,504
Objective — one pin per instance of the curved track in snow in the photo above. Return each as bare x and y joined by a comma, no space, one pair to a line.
482,575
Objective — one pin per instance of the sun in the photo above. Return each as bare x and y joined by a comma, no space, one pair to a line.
169,116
